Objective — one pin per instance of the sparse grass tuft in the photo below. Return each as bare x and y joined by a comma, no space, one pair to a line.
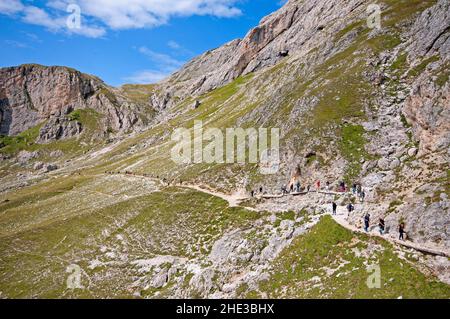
352,147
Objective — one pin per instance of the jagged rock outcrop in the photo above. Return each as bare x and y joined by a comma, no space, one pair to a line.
428,110
32,94
431,31
428,106
59,128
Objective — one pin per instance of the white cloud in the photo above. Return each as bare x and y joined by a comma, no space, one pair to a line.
164,65
10,6
147,77
56,22
37,16
16,44
116,14
32,37
163,60
174,45
128,14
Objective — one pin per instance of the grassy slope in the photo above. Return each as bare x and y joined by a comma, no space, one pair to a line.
181,223
301,269
43,234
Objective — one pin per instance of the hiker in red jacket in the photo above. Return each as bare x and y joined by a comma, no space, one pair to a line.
318,185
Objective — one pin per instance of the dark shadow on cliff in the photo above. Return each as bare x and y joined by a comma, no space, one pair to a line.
5,114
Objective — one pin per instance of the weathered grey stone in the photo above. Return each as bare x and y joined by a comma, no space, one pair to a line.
394,163
38,166
383,163
59,128
160,279
24,156
412,151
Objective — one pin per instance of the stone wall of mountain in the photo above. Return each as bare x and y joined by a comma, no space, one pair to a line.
295,29
34,94
428,105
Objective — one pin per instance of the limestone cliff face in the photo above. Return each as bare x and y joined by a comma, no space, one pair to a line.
33,94
295,29
428,106
428,110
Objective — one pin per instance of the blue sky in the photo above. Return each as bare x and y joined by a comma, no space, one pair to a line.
122,41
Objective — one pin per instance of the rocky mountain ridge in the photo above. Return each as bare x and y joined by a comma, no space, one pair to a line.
34,94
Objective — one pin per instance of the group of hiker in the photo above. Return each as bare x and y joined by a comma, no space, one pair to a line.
261,192
350,208
382,227
358,191
293,188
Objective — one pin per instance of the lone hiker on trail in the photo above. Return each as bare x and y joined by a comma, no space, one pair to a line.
401,231
362,195
367,222
350,208
318,185
328,186
381,225
298,187
334,208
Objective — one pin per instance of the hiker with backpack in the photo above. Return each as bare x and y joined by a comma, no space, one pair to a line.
366,222
334,205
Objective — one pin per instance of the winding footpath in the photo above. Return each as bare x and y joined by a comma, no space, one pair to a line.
341,217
